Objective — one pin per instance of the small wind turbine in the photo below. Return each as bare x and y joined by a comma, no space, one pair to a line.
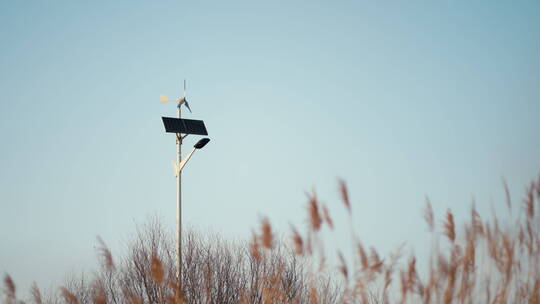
179,100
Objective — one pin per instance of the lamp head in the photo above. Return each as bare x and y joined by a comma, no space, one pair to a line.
201,143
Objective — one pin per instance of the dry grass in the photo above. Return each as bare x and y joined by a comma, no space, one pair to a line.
10,290
266,234
36,294
69,297
483,260
106,255
344,195
314,214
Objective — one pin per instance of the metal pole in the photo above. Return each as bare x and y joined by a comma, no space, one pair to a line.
179,208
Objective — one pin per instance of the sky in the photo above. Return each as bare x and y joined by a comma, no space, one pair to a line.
401,99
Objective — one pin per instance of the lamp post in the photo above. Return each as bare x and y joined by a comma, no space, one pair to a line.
199,145
181,126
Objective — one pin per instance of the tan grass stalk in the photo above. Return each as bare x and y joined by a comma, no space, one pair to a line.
177,295
507,194
403,285
362,255
266,233
449,226
298,242
344,194
327,218
529,201
9,288
314,215
343,266
476,222
36,294
411,273
376,262
538,189
156,269
254,248
100,296
68,296
313,296
106,255
309,245
428,215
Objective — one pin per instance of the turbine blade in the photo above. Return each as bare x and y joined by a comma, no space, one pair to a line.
184,88
187,105
163,99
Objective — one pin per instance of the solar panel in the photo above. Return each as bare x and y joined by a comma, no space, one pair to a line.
185,126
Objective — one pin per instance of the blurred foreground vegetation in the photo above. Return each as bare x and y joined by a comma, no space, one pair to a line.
485,260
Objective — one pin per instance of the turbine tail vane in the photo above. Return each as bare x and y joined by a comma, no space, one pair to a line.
179,101
163,99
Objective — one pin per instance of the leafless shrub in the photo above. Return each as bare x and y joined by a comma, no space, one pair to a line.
214,271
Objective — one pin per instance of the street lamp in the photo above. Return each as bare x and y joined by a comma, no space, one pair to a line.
182,128
199,145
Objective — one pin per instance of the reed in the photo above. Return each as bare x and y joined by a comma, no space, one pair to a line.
483,260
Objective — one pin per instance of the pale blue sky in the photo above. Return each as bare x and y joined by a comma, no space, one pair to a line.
400,98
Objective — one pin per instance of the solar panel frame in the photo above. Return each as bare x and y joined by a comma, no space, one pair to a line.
184,126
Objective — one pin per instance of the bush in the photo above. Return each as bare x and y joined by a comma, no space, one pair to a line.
213,271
